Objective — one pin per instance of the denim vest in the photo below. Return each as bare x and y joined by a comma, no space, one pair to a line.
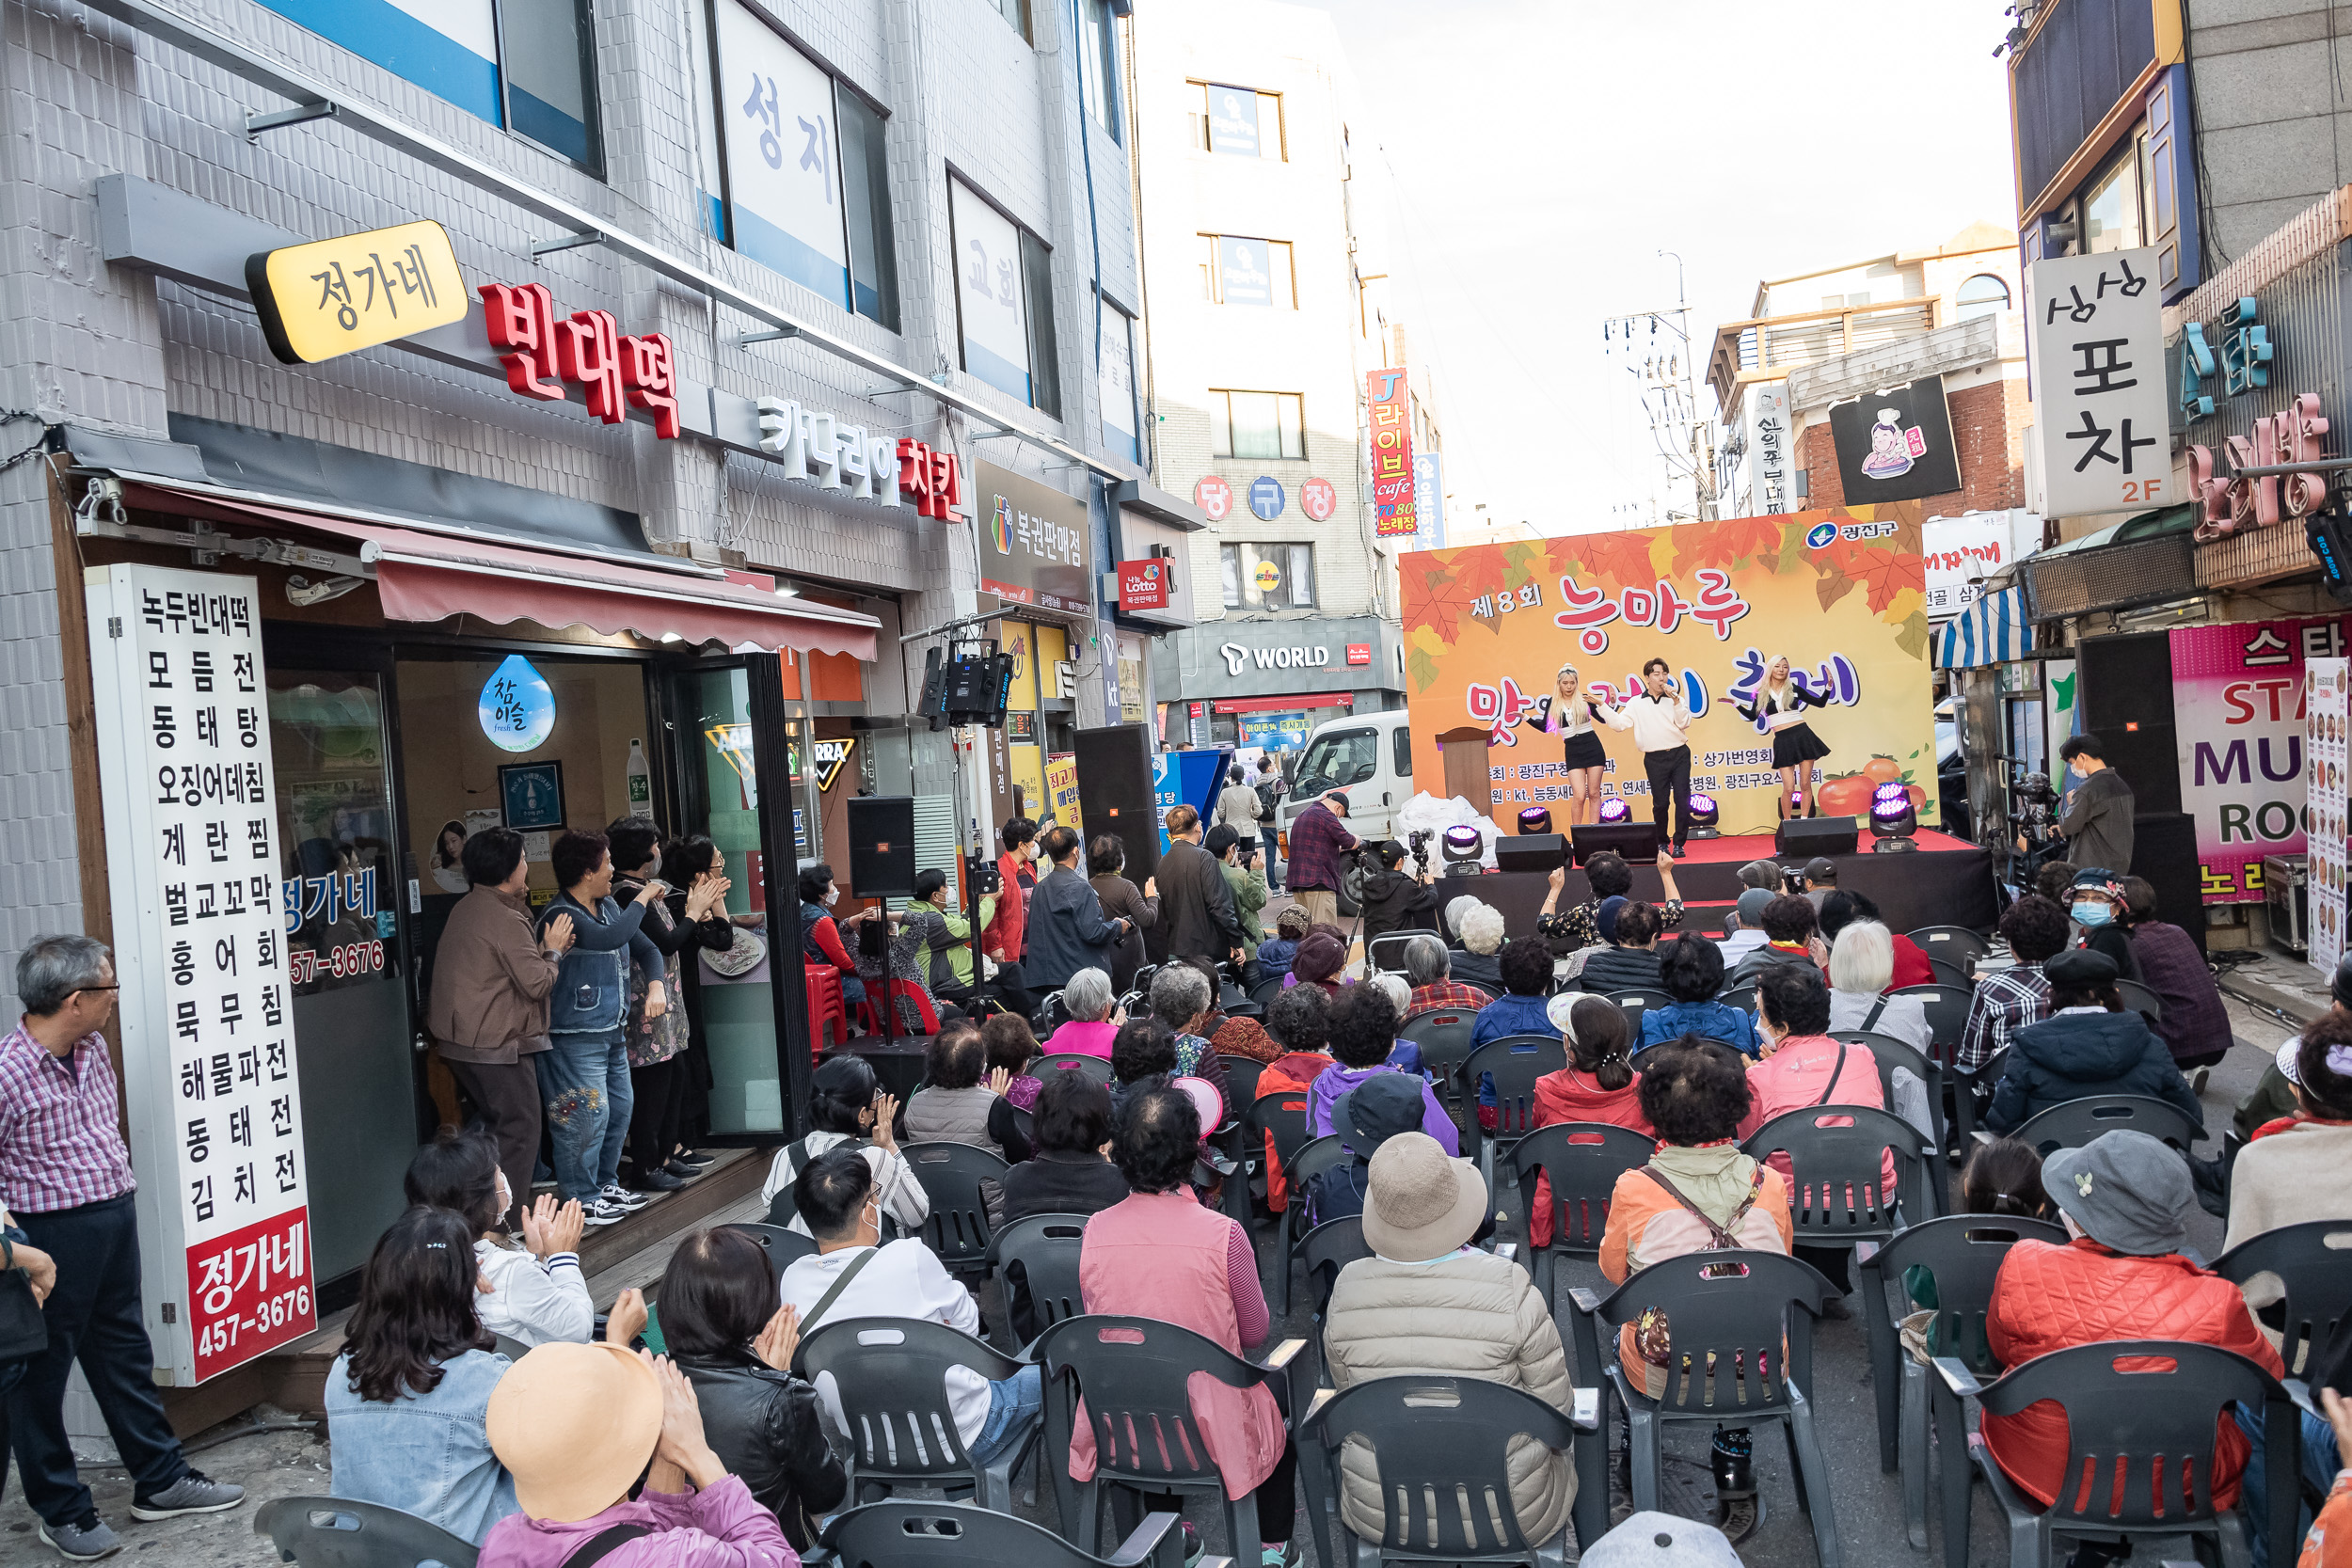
426,1454
591,989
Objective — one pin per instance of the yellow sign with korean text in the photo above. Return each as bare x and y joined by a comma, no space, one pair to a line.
333,296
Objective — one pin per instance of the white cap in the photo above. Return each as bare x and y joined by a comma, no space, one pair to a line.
2287,1068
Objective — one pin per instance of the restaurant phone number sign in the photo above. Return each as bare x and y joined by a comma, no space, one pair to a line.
200,947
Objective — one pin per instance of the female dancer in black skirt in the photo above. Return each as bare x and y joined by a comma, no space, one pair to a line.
1572,716
1795,746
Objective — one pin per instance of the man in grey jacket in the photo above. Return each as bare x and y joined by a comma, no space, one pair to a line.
2097,821
1067,931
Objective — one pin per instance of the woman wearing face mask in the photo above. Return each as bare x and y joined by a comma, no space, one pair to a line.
534,1293
1575,716
1778,702
2096,902
820,936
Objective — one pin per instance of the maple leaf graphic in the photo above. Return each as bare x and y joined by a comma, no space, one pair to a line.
1885,573
1618,560
1725,544
1436,598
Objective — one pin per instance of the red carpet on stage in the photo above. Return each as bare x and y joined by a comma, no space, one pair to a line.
1740,848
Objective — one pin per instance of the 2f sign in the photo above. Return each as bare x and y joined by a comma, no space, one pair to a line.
2098,360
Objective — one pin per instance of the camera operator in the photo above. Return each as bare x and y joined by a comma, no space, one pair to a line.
1394,898
2037,828
1318,841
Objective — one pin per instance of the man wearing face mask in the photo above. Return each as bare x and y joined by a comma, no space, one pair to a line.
1005,938
2097,821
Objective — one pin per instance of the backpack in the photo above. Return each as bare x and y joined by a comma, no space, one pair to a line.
1651,1334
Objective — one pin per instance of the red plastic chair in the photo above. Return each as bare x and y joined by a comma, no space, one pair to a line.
869,1013
825,1013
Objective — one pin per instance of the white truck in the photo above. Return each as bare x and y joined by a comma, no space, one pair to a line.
1371,757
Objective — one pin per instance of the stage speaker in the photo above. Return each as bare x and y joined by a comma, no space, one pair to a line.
1636,841
2163,851
1545,852
1116,763
1807,836
2127,703
881,846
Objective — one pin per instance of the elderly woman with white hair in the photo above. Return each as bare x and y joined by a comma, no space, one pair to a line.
1861,966
1482,931
1429,970
1095,1016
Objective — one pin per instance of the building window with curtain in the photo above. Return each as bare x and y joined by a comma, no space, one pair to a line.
1257,424
1242,270
527,66
1268,576
1005,300
1236,121
1098,64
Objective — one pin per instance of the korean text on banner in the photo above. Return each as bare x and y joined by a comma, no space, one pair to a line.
209,1078
2238,723
1390,407
1769,441
336,297
2101,416
1839,594
1061,790
2327,699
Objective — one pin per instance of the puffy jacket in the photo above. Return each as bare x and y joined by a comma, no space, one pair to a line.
1572,1096
1472,1315
2072,1055
765,1424
2049,1297
1293,1077
1620,969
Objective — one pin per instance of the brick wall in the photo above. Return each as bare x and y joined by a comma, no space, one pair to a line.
1988,428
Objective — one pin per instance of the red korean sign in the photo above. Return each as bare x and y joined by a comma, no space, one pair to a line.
614,372
1213,496
249,1291
1143,584
1318,500
1391,406
1359,653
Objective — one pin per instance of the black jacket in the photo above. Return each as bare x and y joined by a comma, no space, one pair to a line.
1197,913
2073,1055
1621,969
1482,970
1067,931
768,1427
1393,901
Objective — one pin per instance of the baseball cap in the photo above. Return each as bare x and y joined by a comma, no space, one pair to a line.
1821,868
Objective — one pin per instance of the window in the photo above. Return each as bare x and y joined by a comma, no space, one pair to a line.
1117,384
1268,576
1402,737
1015,12
528,66
1983,295
1238,121
801,160
2112,215
1257,424
1338,757
1239,270
1098,64
1005,297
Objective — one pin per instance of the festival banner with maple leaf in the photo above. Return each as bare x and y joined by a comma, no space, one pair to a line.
1842,594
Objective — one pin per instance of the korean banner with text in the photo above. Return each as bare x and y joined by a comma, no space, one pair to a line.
1389,406
2326,688
208,1079
2238,723
2101,414
1840,593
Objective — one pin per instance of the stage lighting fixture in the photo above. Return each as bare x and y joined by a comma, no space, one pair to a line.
1891,820
1614,811
1463,849
1535,819
1704,815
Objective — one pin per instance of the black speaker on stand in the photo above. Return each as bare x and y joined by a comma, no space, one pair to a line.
882,865
1637,842
2163,851
1807,836
1115,760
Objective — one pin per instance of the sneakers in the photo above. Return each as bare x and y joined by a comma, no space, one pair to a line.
597,1212
684,1170
614,1193
1194,1545
194,1493
657,1180
85,1542
1283,1554
694,1157
2197,1079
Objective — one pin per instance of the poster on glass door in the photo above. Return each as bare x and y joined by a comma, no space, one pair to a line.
2326,702
208,1057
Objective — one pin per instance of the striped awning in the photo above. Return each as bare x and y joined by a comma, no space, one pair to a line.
1990,631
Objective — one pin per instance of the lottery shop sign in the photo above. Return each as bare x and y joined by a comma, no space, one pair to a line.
1841,595
200,947
614,372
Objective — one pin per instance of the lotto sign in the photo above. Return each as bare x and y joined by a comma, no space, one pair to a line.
215,1108
1390,407
2101,415
334,296
1213,496
1318,500
1143,584
2326,688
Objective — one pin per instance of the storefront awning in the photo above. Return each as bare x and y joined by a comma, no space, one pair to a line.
1992,630
1286,704
422,573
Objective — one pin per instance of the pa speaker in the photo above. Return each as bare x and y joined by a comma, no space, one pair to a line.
881,846
2127,703
1116,763
1545,852
1637,842
2163,851
1808,836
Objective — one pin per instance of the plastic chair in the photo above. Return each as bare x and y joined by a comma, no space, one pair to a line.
1310,1160
1264,991
1044,1248
2076,1122
1095,1068
1946,1007
1957,943
1444,1037
950,1175
828,1021
1434,1441
1328,1248
1513,1064
957,1536
1890,1053
1025,1123
2141,1000
1052,1013
339,1533
869,1010
889,1374
1837,1193
1583,1160
2317,1276
782,1245
1947,972
2126,1413
1242,1074
1964,1253
1728,1314
510,1347
1634,999
1134,1375
1281,1116
1384,953
1742,997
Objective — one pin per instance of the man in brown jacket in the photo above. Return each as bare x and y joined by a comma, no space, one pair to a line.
489,1011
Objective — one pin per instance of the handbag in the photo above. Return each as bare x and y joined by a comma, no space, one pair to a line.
23,1332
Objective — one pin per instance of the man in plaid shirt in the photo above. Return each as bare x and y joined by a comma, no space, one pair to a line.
2009,999
1316,843
1434,989
65,1177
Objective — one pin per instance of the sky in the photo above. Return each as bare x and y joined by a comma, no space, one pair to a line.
1544,150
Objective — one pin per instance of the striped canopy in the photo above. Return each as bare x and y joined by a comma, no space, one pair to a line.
1989,632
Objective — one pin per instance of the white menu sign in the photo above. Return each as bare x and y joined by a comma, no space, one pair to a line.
215,1107
2326,701
1769,444
2100,415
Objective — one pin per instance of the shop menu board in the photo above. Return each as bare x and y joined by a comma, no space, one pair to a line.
2327,686
209,1076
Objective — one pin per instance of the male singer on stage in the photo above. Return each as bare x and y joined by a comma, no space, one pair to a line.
1661,727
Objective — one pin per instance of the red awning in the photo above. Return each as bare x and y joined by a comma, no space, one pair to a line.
422,573
1286,704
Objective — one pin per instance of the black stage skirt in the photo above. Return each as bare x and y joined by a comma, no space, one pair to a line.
1796,744
1583,750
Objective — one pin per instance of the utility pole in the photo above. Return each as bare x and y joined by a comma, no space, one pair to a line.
1664,373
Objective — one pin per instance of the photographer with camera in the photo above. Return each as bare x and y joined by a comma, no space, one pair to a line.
1318,842
1394,898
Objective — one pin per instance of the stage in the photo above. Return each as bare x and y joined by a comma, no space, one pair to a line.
1946,881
